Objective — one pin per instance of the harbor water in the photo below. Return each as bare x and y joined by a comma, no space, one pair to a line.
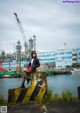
57,83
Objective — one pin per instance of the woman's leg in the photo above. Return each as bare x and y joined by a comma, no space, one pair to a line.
24,77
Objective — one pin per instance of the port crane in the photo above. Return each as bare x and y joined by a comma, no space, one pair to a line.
22,32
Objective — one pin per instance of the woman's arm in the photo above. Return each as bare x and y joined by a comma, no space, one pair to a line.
29,64
35,64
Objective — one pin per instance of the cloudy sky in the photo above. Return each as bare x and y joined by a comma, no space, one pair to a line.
52,21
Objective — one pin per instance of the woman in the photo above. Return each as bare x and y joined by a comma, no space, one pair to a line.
34,63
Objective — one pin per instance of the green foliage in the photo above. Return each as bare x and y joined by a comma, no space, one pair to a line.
65,97
48,96
56,98
3,101
68,97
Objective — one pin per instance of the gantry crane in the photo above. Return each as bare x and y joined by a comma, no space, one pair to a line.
22,33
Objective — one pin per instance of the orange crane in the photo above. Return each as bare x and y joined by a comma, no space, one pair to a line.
22,33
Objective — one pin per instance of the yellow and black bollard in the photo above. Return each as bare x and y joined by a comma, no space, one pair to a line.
35,92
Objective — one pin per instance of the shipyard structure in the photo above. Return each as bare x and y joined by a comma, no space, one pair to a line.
31,46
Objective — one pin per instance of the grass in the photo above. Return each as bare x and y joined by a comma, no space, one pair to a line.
3,101
65,97
68,97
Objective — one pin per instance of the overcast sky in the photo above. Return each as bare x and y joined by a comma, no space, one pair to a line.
52,21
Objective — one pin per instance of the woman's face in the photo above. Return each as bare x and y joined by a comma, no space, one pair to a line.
34,55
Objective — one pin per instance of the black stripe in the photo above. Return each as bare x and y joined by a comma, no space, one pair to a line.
22,94
10,95
36,90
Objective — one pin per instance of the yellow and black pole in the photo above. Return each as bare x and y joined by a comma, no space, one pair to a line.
35,92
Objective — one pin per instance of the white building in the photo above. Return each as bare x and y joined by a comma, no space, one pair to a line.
76,56
62,57
46,57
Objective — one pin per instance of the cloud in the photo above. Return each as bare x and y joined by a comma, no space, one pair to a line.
53,22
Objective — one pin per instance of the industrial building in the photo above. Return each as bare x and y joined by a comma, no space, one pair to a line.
63,57
76,56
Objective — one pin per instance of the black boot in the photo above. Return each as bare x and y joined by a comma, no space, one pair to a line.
28,79
22,86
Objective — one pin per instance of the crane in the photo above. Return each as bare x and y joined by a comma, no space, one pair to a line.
22,33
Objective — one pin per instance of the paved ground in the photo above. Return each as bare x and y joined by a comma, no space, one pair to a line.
72,107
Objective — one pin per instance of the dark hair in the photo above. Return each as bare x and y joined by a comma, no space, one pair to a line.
33,52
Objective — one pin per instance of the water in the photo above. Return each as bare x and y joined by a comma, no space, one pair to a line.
61,83
57,84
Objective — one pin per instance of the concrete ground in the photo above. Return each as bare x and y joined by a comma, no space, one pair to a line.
70,107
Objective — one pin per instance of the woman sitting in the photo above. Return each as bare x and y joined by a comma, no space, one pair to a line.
34,63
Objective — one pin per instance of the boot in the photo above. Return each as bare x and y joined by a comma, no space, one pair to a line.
22,86
28,79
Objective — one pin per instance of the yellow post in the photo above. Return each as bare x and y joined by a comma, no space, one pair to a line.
35,92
